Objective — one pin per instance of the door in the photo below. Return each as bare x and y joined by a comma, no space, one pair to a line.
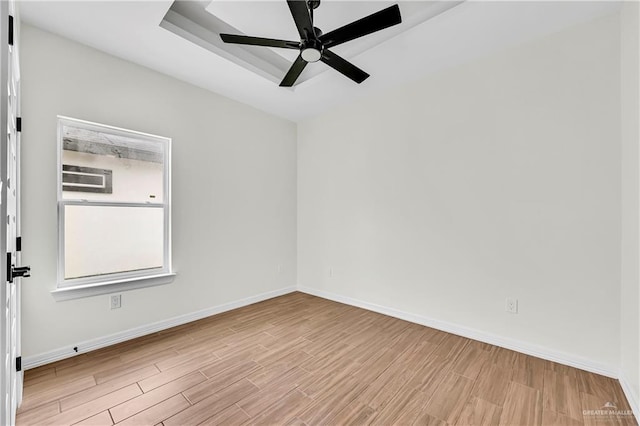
9,209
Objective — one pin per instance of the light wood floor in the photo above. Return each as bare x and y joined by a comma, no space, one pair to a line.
299,359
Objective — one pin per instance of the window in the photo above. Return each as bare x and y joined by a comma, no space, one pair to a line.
113,209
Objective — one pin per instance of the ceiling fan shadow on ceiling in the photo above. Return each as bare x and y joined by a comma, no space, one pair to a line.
314,45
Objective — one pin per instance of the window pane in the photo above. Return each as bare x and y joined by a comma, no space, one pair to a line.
101,240
108,167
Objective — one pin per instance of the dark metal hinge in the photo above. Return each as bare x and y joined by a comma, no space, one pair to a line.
19,363
19,244
19,124
9,268
10,30
16,271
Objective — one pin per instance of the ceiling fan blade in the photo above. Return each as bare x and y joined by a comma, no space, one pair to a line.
343,66
367,25
302,18
259,41
294,72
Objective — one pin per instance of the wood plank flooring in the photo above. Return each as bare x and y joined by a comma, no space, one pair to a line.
303,360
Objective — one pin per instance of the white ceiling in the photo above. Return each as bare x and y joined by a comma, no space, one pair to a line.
202,22
130,30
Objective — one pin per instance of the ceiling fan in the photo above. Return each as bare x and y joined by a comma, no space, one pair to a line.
314,45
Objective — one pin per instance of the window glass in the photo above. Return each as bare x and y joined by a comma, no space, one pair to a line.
102,240
106,167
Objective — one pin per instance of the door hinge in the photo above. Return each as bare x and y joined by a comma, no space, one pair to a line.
19,244
18,124
10,30
9,268
16,271
19,363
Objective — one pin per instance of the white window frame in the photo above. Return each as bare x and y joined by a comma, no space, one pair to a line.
119,281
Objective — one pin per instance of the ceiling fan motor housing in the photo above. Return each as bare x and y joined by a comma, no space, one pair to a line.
311,50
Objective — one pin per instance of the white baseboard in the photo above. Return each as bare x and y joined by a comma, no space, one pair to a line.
632,397
112,339
471,333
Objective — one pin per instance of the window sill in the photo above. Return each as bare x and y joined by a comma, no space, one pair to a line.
88,290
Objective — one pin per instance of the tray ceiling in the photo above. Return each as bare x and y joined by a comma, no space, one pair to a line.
428,41
202,22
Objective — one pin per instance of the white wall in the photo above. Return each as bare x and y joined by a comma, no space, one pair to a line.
234,199
499,178
630,296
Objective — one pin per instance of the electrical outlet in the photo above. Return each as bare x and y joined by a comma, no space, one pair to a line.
116,301
330,272
279,269
512,305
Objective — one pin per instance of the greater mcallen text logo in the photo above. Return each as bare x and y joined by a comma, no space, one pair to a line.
607,410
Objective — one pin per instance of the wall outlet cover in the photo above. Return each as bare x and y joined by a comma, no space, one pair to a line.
116,301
